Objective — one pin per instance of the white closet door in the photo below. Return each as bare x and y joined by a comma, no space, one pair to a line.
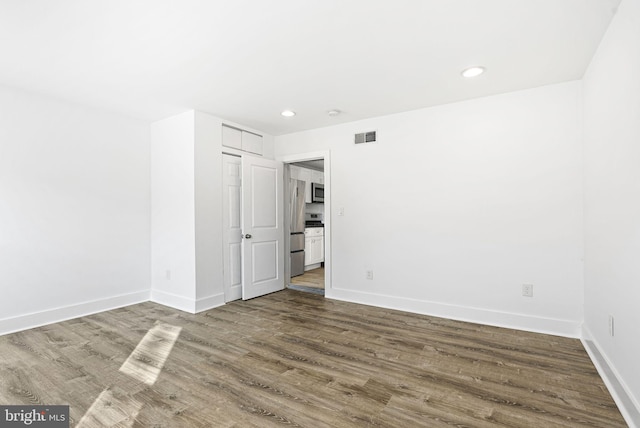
232,226
262,226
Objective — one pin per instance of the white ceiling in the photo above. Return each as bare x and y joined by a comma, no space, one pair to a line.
247,60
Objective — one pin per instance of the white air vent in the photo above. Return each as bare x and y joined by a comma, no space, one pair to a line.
366,137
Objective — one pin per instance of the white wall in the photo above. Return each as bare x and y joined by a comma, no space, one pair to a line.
74,210
457,206
612,202
208,220
186,209
173,267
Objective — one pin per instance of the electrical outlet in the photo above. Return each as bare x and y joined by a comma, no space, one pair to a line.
369,274
341,211
527,290
167,274
611,326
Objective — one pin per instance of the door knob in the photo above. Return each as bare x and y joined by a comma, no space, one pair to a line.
247,236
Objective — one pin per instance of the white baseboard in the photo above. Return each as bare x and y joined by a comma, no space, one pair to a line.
626,402
173,301
49,316
557,327
312,267
186,304
206,303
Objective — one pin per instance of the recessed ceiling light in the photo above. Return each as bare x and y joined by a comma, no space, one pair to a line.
334,113
472,71
288,113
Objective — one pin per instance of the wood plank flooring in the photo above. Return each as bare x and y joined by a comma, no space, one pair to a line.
312,278
300,360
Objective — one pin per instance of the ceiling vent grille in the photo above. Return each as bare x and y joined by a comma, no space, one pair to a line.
366,137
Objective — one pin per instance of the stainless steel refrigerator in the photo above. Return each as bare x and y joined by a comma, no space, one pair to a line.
297,206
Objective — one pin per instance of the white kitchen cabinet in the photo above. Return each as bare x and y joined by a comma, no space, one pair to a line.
318,247
305,175
314,177
317,177
313,246
308,176
241,140
299,173
294,172
313,251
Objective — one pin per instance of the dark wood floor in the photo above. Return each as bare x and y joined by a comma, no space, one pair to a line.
296,359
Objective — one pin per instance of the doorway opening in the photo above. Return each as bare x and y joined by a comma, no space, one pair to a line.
311,281
308,222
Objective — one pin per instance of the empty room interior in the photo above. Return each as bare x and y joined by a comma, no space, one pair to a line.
320,214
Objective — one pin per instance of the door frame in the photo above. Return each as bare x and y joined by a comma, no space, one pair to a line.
301,157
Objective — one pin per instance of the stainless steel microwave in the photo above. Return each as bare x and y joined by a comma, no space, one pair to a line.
317,193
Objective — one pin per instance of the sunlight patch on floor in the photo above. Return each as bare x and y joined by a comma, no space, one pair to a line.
146,361
109,410
144,364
